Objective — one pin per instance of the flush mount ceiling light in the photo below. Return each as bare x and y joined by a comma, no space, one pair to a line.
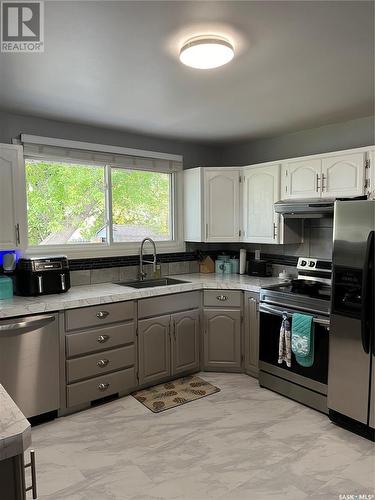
206,52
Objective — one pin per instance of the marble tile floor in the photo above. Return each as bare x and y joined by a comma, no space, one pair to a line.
243,443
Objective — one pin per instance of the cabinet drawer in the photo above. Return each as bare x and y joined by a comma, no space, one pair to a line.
99,387
222,298
99,339
166,304
102,314
101,362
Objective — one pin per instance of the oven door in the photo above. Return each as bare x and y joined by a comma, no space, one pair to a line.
313,377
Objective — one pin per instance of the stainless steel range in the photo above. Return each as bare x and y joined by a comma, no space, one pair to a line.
310,293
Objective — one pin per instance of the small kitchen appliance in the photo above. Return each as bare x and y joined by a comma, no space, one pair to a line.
259,268
42,276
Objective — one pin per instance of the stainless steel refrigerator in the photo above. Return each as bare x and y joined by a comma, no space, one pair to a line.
351,374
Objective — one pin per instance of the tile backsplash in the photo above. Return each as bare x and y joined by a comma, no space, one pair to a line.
317,243
128,273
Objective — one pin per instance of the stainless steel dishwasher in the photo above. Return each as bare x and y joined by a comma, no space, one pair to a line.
29,362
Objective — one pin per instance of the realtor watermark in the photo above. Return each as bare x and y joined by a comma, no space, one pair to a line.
22,26
362,496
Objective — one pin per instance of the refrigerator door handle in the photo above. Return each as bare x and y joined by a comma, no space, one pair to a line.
366,306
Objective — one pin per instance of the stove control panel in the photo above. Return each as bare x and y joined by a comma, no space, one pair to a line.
306,263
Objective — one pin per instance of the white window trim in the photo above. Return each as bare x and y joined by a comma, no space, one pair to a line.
102,148
110,249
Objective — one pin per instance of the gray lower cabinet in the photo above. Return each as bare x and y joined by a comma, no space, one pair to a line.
251,333
168,346
185,342
12,478
222,339
154,349
13,482
100,353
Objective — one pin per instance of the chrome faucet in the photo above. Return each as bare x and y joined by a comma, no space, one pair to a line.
142,274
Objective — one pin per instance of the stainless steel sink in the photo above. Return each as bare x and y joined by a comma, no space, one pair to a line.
151,283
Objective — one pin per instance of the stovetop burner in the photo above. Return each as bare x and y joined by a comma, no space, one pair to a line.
311,291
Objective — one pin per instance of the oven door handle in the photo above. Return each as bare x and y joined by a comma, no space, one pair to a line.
279,312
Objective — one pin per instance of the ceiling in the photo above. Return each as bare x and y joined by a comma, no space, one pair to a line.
298,64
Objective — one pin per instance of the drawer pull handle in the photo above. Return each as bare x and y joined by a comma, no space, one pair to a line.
102,338
31,464
222,297
102,363
103,387
102,314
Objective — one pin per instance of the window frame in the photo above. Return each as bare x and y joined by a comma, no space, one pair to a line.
111,248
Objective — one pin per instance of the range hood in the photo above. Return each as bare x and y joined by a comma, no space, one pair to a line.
305,209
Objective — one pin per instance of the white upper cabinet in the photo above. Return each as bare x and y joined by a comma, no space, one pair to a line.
301,179
216,208
212,204
330,176
343,175
193,210
261,189
222,205
12,198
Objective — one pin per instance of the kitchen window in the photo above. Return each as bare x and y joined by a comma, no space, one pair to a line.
141,205
97,208
65,203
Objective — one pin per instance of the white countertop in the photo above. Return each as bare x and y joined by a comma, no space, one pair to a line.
103,293
15,430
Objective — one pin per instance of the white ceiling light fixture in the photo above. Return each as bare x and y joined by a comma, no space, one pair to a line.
206,52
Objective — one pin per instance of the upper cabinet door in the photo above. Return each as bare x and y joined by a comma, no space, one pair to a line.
261,189
301,179
12,197
222,204
343,175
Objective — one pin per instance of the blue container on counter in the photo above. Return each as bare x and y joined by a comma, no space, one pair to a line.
6,287
235,263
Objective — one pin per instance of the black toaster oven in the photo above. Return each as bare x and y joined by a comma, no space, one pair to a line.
42,276
259,268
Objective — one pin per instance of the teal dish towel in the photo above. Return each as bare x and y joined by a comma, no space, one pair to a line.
303,339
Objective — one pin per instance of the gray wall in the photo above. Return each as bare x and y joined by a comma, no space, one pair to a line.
12,125
345,135
354,133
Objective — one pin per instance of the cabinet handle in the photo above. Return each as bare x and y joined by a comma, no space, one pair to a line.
222,298
103,387
102,363
274,231
17,230
102,314
317,183
206,231
174,329
40,284
31,464
323,179
103,338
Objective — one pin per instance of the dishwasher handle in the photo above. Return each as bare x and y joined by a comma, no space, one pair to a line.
26,325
